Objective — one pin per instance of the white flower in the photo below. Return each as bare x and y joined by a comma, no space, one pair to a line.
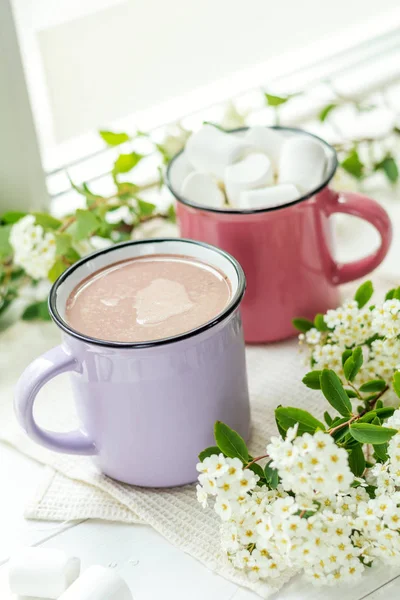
34,249
202,496
214,466
247,481
209,483
121,214
223,508
313,336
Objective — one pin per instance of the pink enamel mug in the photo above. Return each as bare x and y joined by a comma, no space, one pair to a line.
286,251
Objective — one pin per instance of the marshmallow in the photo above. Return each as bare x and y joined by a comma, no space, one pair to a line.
98,583
42,572
202,189
211,150
178,172
303,162
268,197
265,139
255,170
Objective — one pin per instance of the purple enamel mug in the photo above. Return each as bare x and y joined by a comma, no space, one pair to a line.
146,409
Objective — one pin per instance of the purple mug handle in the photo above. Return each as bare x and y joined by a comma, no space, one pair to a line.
36,375
358,205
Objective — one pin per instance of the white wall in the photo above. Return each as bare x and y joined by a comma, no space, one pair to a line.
102,60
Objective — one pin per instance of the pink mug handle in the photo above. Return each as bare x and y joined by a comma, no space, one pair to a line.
358,205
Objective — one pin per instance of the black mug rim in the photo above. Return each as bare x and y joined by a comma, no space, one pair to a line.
235,211
228,310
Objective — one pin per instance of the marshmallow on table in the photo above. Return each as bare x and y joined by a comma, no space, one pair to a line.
180,169
255,170
267,140
42,572
302,162
275,195
98,583
211,150
202,188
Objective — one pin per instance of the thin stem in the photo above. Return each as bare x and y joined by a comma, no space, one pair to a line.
355,390
362,413
255,460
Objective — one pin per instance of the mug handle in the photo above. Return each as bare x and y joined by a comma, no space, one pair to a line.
358,205
36,375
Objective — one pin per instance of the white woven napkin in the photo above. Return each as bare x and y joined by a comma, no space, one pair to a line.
74,489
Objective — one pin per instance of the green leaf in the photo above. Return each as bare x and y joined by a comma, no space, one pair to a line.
126,190
303,325
311,380
326,111
126,162
346,355
319,323
63,243
272,100
353,364
47,221
396,383
145,208
334,392
364,293
5,246
368,417
72,255
384,412
289,416
172,213
375,385
389,166
12,217
209,452
257,470
380,452
328,418
114,139
230,442
390,294
86,224
353,165
37,310
56,270
366,433
271,475
357,461
351,393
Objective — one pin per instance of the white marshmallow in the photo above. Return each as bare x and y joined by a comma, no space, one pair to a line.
268,197
42,572
202,189
303,162
255,170
211,150
178,172
265,139
98,583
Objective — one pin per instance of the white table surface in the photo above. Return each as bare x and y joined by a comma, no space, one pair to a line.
152,567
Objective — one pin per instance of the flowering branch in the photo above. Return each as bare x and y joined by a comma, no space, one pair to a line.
320,506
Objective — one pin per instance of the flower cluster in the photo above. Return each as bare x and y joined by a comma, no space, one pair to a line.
318,519
34,249
310,465
374,329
